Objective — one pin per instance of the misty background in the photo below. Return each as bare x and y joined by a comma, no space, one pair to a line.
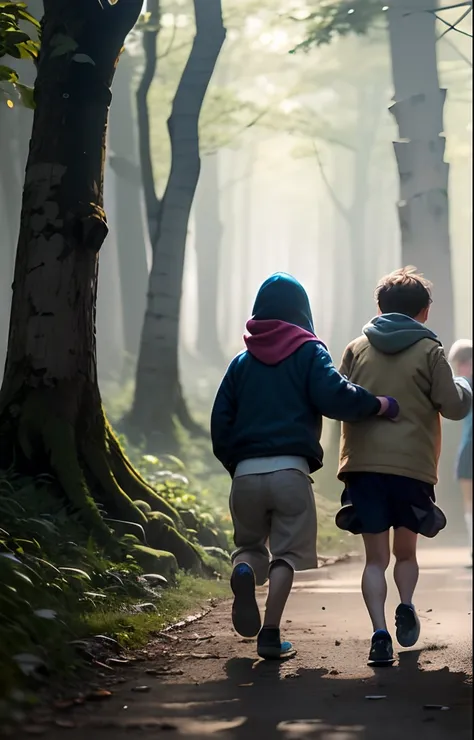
298,174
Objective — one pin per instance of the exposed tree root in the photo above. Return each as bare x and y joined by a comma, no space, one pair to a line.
67,433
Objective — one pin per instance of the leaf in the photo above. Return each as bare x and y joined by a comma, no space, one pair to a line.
62,44
28,663
76,573
24,15
27,97
7,74
83,59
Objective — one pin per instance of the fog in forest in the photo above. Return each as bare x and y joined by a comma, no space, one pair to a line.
298,174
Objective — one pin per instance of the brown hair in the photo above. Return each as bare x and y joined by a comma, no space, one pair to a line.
461,352
403,291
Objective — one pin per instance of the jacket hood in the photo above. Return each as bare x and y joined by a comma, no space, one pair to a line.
273,341
394,332
283,298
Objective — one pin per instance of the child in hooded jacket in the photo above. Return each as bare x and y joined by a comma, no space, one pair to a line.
266,427
390,470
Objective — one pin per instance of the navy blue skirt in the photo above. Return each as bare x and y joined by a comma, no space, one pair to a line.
376,502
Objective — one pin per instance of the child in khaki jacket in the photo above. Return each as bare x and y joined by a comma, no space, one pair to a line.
390,469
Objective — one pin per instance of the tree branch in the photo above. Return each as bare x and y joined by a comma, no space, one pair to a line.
453,27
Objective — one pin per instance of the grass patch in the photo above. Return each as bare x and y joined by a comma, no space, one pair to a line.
189,595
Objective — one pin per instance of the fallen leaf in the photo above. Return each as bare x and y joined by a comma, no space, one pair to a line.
337,643
98,695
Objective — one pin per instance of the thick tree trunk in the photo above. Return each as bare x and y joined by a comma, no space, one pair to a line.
418,110
130,227
50,407
208,248
158,394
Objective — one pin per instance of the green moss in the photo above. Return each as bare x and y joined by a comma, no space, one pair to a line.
156,561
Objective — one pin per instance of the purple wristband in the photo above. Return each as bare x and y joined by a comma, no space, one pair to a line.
393,408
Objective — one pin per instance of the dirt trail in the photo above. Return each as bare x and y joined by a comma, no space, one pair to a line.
319,695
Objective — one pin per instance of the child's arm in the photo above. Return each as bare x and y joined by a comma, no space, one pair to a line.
336,398
451,396
222,418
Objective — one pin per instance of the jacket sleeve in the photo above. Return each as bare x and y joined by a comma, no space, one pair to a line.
346,362
223,417
334,396
451,396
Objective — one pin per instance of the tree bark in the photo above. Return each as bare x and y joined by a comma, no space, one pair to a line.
423,207
208,249
51,416
158,396
130,226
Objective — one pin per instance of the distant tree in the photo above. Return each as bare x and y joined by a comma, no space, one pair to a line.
418,110
159,399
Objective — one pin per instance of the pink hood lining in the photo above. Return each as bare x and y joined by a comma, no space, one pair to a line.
272,341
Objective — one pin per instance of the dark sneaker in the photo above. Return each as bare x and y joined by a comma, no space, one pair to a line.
381,650
270,647
245,612
408,625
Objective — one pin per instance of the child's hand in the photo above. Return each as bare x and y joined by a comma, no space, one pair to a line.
389,407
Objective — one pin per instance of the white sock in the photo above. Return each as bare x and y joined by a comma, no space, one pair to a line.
468,519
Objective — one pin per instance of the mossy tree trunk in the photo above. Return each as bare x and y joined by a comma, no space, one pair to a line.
51,416
159,399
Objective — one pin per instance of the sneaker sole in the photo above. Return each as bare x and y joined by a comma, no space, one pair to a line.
245,612
381,663
275,653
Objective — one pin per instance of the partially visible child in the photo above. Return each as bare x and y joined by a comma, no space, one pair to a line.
390,469
266,427
460,357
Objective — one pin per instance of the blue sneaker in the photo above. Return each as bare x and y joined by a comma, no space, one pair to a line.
270,647
408,625
381,650
245,612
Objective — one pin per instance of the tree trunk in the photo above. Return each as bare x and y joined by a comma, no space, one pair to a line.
158,394
418,110
130,227
208,248
51,415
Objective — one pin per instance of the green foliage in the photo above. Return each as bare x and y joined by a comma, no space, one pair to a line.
56,585
16,43
339,18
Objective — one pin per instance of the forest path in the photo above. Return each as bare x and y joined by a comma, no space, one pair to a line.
321,694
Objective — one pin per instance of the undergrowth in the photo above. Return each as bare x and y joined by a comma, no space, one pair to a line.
56,586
